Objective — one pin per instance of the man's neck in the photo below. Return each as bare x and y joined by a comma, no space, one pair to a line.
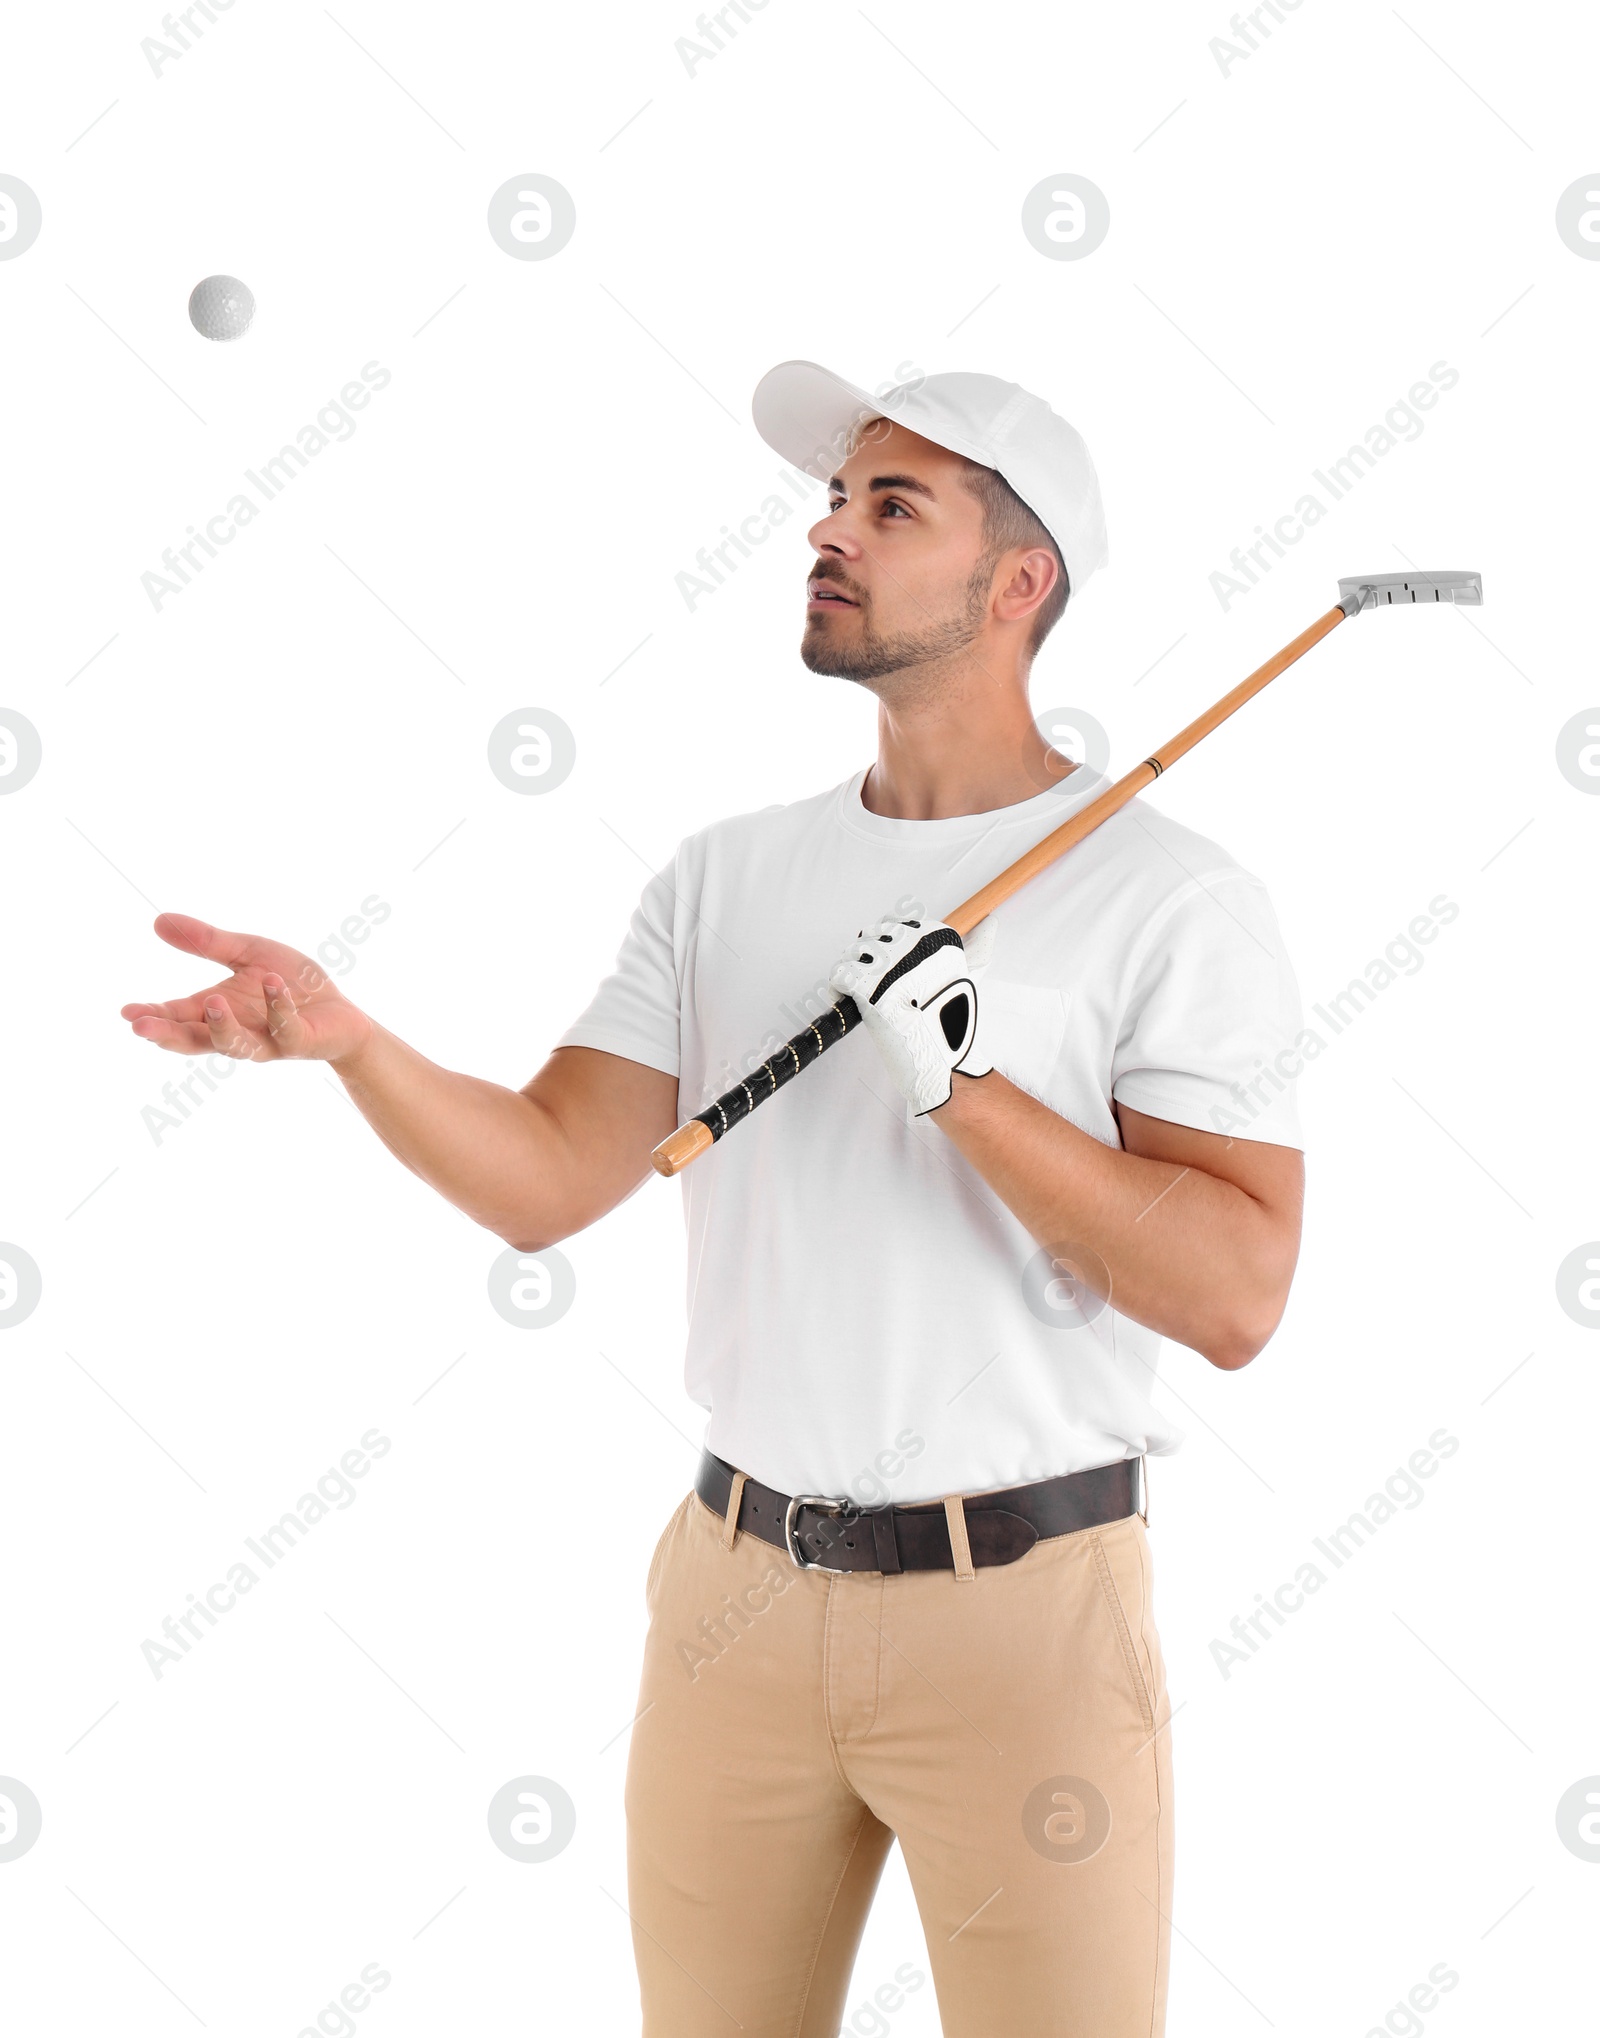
967,745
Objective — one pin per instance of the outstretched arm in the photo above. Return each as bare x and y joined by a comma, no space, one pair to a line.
532,1165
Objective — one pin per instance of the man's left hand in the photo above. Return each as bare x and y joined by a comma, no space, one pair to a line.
916,984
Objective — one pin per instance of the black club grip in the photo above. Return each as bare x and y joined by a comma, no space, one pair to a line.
783,1066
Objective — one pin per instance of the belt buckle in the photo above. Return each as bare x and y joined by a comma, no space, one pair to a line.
791,1541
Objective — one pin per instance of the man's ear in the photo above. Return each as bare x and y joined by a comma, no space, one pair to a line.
1032,576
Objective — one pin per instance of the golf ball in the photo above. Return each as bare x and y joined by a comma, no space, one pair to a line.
221,308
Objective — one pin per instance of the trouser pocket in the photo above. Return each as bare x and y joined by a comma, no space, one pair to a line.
660,1549
1117,1551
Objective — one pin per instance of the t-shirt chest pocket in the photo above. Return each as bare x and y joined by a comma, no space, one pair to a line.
1023,1028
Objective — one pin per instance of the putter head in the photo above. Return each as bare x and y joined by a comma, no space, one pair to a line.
1386,590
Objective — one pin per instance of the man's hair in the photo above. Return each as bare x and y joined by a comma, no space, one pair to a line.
1008,522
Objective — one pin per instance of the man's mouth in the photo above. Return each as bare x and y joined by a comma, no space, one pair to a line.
822,594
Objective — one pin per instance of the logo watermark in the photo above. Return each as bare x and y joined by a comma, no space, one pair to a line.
1066,1819
532,217
21,750
532,1290
21,1285
1577,1284
1066,217
1578,217
532,1818
20,1818
532,750
20,217
1577,1817
1066,1286
1577,751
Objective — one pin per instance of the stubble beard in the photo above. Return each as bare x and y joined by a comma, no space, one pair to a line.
917,661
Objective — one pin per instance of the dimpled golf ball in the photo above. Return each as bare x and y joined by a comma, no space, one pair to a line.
221,308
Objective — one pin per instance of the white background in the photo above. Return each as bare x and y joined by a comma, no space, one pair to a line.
227,1308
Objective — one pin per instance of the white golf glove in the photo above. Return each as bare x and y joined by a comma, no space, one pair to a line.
917,988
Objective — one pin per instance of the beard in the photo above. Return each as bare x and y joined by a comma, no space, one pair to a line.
873,655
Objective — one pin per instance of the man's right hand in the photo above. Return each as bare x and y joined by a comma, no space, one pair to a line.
277,1005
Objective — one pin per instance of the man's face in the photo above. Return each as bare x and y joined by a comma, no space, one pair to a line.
901,577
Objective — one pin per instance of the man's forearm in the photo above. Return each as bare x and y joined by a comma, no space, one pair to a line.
483,1147
533,1166
1193,1257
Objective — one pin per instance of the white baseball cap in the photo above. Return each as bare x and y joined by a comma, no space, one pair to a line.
807,413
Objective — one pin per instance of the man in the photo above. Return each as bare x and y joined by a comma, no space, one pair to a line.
931,1279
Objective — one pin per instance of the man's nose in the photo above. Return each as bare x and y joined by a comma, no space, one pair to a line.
833,534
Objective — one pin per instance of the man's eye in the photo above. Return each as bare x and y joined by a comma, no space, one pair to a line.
891,504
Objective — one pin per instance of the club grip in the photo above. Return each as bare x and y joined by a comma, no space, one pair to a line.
674,1154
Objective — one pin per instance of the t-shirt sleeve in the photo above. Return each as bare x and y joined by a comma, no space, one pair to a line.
635,1012
1208,1035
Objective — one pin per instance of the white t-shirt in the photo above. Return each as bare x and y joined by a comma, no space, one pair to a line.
866,1318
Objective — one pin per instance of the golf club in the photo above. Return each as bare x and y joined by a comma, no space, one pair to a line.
1370,590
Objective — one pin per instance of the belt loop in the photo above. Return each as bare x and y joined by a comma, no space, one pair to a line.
730,1521
1144,1493
885,1543
956,1519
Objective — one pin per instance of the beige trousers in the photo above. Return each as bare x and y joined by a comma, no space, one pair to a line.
1008,1727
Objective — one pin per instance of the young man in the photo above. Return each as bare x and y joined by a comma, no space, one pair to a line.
910,1593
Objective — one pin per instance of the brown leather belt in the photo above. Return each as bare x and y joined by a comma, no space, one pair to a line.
839,1535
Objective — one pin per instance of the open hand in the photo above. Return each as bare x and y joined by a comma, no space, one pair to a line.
278,1005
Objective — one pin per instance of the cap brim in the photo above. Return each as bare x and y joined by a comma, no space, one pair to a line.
806,413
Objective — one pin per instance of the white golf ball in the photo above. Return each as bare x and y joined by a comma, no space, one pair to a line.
221,308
